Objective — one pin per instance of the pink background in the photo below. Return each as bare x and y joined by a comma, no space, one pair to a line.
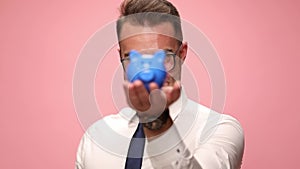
257,41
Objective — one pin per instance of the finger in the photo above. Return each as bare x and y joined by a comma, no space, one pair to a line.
133,96
142,93
153,86
154,93
126,90
167,90
157,98
158,103
133,99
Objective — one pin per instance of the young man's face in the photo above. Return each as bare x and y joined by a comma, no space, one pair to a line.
141,38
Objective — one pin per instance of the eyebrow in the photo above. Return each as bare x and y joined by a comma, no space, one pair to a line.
168,50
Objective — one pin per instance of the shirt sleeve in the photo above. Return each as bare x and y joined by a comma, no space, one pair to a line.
80,154
222,148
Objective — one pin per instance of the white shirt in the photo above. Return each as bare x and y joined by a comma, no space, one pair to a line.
198,138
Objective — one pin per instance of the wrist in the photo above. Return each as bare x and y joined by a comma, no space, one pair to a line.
159,125
159,122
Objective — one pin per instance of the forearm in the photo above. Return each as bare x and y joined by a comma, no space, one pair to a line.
223,149
169,151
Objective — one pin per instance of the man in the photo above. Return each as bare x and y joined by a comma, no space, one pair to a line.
174,132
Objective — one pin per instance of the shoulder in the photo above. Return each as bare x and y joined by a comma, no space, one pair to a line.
112,122
221,135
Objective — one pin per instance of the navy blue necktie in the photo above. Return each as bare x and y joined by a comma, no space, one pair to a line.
136,149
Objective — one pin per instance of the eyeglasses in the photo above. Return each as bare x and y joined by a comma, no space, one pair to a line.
169,60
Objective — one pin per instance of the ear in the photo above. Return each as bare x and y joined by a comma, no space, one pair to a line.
183,51
119,51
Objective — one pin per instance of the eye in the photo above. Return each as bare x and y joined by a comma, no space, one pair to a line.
168,57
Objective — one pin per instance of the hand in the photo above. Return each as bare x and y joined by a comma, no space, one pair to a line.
153,104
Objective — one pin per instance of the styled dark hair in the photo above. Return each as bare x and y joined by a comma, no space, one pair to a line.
150,13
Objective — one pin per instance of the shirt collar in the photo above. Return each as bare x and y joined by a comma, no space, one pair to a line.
174,109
